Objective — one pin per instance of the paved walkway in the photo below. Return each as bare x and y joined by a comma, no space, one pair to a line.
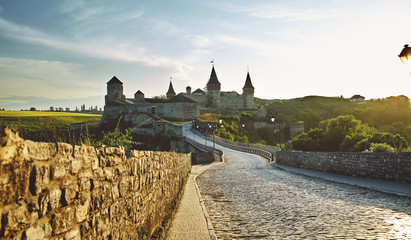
248,198
190,221
397,188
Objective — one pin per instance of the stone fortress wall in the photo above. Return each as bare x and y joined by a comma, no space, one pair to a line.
60,191
385,166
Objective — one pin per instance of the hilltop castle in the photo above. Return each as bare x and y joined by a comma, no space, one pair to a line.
184,106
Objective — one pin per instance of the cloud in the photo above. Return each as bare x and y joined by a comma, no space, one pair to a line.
200,41
110,49
299,13
26,77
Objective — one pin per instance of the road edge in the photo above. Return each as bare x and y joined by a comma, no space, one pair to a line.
210,228
395,193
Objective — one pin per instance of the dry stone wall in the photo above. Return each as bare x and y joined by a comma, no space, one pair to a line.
60,191
385,166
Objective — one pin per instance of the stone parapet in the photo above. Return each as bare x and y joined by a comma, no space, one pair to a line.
385,166
61,191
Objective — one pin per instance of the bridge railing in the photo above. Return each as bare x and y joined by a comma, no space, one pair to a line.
266,151
204,147
244,147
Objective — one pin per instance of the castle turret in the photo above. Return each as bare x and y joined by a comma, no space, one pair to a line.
188,90
213,88
139,95
248,93
170,93
114,92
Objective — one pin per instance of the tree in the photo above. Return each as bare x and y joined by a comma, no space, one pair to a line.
380,147
350,141
313,140
396,141
338,128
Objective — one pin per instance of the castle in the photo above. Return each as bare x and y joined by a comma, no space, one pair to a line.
181,107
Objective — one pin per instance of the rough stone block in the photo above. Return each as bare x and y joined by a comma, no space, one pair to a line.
124,186
65,149
8,153
75,165
43,201
74,234
55,197
99,173
82,212
63,221
39,231
39,178
69,194
7,193
21,173
86,154
109,173
18,218
59,166
95,163
115,193
96,199
39,150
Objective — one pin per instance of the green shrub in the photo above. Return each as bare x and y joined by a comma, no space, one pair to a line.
380,147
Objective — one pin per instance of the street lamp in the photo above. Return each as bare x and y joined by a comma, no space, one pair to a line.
246,133
277,130
212,130
405,56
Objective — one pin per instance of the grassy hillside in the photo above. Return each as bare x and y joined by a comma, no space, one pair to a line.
44,126
391,114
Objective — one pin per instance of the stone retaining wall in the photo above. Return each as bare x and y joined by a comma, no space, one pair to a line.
60,191
386,166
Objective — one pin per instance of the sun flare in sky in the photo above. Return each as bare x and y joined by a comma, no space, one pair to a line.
62,53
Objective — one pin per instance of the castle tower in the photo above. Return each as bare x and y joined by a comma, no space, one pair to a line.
139,95
213,88
114,92
170,93
188,90
248,93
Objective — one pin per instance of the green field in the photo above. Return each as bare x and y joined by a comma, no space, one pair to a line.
44,126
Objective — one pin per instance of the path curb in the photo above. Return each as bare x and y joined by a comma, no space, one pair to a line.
213,236
400,194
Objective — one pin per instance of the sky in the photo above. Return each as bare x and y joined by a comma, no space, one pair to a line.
62,53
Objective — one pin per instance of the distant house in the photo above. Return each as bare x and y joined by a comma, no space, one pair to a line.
357,98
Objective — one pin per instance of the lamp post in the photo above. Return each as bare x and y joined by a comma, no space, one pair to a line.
213,132
246,133
405,56
195,132
277,131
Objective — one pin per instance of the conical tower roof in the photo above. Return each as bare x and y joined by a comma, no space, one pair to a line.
248,83
171,90
114,80
213,78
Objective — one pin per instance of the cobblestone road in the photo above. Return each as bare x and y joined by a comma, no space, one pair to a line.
248,198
